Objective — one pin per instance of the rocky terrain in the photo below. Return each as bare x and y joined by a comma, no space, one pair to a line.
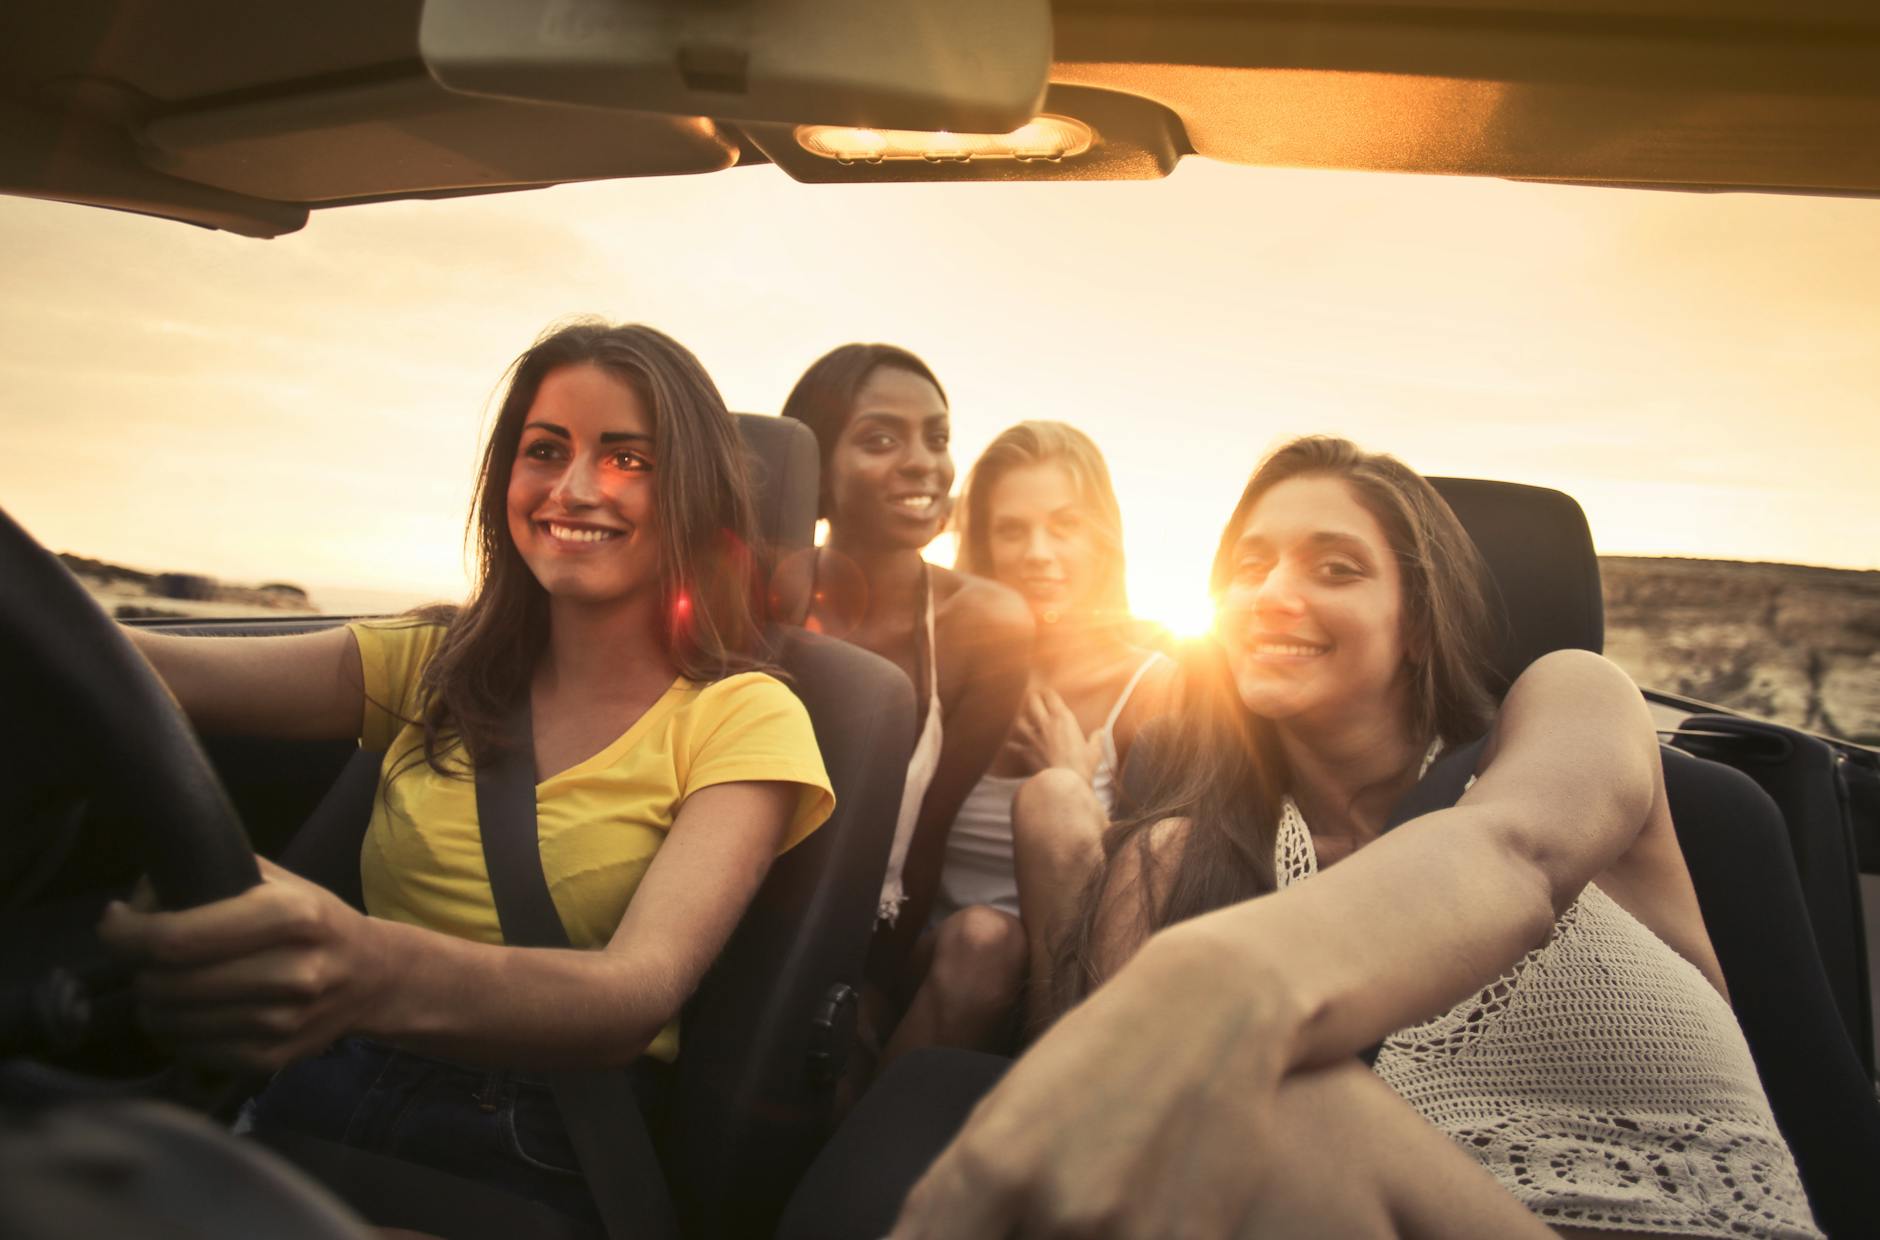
1785,642
1794,644
132,592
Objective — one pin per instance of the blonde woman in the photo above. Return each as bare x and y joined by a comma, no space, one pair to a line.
1039,516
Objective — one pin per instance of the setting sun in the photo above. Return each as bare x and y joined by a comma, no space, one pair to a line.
1222,319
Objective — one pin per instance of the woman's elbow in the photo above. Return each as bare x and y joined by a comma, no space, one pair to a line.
643,1002
1542,858
1575,756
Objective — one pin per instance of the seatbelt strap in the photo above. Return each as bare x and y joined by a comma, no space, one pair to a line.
1442,785
600,1110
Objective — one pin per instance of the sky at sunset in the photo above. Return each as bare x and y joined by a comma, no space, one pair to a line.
1700,371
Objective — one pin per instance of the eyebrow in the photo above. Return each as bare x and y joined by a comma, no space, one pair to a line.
1318,538
606,436
899,419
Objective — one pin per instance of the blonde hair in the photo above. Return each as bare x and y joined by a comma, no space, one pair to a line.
1046,443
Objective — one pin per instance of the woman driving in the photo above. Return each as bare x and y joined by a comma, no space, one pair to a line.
612,630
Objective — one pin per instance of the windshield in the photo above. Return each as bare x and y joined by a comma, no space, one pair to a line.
304,414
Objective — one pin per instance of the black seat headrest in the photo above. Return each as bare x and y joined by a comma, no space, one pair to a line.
786,471
1545,589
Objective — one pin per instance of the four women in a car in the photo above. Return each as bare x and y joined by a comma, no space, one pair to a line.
611,635
1508,953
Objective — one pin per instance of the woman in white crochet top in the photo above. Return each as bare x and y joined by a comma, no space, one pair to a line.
1558,1051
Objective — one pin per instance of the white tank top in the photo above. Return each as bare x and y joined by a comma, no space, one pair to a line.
1603,1081
920,769
979,867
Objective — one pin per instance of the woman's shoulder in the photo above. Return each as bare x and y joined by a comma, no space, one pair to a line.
743,688
423,628
746,700
1156,678
1576,683
1573,723
396,647
412,626
985,606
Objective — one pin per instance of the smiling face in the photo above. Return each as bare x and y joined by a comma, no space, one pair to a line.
1312,614
890,471
581,498
1042,542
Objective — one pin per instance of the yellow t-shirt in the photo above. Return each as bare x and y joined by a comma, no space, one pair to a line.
599,822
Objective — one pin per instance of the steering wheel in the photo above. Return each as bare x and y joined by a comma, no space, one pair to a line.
77,679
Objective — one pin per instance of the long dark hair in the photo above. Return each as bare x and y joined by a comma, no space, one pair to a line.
1220,767
824,398
707,535
1041,443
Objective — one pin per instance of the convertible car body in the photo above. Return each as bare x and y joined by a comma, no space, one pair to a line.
249,115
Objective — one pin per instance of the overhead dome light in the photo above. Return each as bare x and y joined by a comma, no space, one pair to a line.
1047,138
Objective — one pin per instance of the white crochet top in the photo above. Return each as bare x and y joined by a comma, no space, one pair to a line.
1602,1080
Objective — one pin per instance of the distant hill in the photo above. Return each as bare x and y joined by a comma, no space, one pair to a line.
132,592
1795,644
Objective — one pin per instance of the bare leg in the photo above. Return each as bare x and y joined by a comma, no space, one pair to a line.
972,987
1057,844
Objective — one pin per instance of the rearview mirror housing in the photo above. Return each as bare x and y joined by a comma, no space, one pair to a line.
969,65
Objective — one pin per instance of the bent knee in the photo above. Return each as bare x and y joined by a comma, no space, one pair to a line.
980,933
980,951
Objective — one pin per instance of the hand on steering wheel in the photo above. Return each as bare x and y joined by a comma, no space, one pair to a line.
254,982
84,689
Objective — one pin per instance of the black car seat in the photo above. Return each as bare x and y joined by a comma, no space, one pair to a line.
1743,853
768,1031
1804,776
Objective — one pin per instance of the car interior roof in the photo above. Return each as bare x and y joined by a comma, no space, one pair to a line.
241,114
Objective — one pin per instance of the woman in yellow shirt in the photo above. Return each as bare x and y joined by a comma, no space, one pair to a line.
613,527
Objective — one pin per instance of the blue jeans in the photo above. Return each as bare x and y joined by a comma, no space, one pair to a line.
491,1125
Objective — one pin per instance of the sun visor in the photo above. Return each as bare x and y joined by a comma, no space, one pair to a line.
409,135
968,65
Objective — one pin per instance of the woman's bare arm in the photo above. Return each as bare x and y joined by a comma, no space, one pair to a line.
1254,993
1411,923
308,686
990,635
278,972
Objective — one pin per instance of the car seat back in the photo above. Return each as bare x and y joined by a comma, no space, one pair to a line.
768,1032
1737,844
1544,591
1802,775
